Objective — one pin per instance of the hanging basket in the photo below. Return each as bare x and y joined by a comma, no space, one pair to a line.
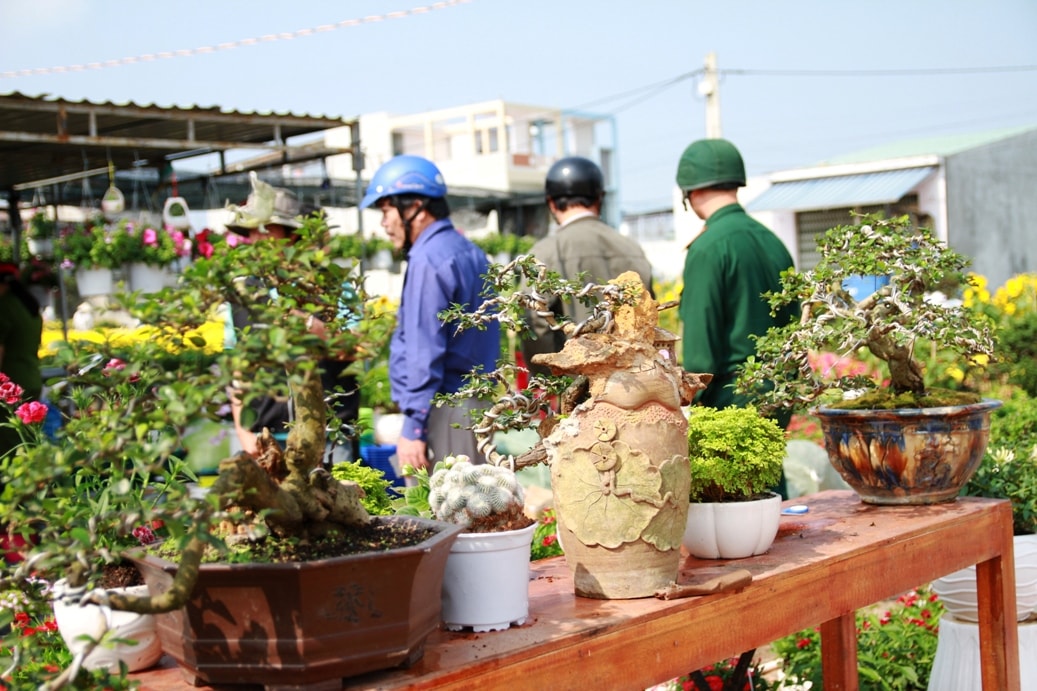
175,213
113,202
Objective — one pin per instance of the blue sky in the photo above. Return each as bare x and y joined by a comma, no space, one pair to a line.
801,80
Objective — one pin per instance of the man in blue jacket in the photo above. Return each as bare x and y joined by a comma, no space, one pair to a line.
427,356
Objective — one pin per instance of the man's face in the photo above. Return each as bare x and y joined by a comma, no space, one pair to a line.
392,223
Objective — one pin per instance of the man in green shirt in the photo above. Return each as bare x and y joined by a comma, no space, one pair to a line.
732,262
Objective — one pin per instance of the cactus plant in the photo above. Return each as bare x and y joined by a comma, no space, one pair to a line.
482,498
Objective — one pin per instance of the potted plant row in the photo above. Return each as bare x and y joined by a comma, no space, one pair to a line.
275,575
895,441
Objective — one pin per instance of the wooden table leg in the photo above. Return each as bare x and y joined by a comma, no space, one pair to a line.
998,632
839,653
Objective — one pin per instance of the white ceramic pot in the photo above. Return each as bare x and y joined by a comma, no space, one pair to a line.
75,621
486,583
148,278
732,530
41,247
958,590
91,282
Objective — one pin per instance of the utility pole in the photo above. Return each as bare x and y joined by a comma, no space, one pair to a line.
709,88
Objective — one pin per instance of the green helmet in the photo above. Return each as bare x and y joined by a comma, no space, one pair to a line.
710,162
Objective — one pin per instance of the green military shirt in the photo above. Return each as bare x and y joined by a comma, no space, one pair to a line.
728,267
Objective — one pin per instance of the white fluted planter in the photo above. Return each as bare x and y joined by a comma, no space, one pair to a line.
956,666
75,621
958,590
486,583
732,530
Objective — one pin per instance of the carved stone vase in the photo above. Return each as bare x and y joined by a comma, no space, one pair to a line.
619,461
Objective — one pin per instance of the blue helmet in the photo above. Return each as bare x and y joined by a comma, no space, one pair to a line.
405,175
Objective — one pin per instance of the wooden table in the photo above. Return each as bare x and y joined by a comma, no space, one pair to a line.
841,556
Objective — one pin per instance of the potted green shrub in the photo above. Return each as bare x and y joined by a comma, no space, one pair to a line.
944,431
275,545
486,583
735,456
147,252
90,251
617,446
41,233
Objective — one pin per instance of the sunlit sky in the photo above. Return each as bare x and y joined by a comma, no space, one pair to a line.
801,80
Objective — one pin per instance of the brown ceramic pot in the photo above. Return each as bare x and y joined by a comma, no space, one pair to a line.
306,624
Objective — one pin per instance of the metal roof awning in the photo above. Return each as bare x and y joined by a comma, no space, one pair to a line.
840,191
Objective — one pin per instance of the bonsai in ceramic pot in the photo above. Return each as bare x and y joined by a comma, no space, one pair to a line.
486,583
285,546
617,444
735,456
945,432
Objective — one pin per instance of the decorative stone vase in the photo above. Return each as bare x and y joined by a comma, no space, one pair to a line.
75,620
94,281
147,278
486,583
909,455
732,530
306,625
619,461
957,591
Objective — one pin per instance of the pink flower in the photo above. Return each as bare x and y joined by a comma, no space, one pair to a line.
10,393
144,534
149,237
233,240
114,365
4,378
32,413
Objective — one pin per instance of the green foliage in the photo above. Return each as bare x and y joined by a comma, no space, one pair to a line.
41,226
735,454
1009,466
895,648
87,247
510,244
1017,335
545,537
722,675
136,242
894,324
376,499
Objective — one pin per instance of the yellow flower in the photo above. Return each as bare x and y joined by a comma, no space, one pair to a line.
956,373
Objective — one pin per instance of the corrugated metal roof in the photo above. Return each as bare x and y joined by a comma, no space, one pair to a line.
43,138
946,145
840,191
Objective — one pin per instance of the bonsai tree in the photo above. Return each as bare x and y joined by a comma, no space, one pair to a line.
70,496
893,324
735,454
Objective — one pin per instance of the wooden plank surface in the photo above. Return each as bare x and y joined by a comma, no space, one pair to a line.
839,557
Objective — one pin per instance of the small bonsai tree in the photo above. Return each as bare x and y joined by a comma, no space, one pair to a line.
735,454
891,324
482,498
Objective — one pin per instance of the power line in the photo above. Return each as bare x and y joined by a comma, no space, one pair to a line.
205,50
880,73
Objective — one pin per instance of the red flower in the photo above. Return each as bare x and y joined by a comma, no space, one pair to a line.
549,540
715,683
32,413
21,618
144,534
803,643
114,365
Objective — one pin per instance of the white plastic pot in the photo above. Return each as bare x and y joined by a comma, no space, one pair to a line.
75,620
486,583
957,591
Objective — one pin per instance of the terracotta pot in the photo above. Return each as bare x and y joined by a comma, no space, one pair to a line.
486,584
732,530
306,624
907,456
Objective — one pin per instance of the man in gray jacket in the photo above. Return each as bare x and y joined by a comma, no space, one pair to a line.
582,243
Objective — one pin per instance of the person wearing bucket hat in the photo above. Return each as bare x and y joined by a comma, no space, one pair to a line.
275,213
728,267
582,244
426,356
21,328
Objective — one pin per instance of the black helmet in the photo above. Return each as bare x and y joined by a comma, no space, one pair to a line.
575,176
